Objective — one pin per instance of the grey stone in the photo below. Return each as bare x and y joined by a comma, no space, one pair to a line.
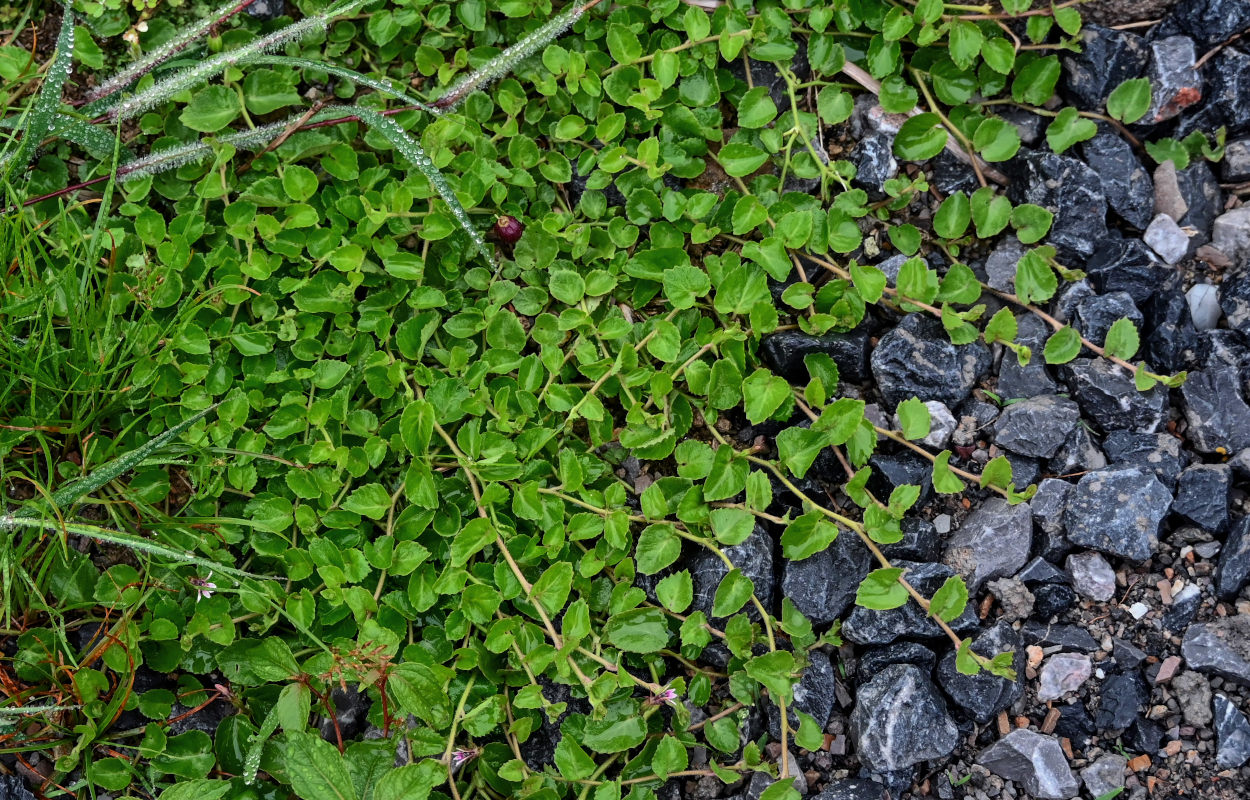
1219,419
983,695
1168,196
266,9
1193,693
1032,379
1204,306
1235,300
1063,673
1071,295
1183,609
1202,195
1038,426
1048,504
901,720
917,359
1118,512
1078,454
919,543
1108,395
1231,234
814,695
853,789
941,424
1014,598
1126,655
875,659
1035,761
1171,342
1175,82
13,787
1220,647
1202,495
1125,181
1000,267
1068,637
754,557
874,161
1166,238
867,626
1233,569
1095,315
1107,58
992,542
1070,190
1236,164
1104,775
1092,576
1209,22
822,587
1232,734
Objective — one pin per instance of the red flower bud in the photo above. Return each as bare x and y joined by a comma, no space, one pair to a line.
509,229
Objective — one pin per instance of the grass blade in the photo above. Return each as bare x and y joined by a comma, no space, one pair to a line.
49,99
384,85
410,149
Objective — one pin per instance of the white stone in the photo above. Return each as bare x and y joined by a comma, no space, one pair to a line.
1063,673
1204,306
1231,234
1139,610
1091,575
1166,238
942,523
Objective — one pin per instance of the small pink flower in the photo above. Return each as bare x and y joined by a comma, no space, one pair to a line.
203,587
666,696
459,757
224,691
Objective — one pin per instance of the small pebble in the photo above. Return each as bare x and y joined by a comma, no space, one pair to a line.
1204,306
1139,610
1166,238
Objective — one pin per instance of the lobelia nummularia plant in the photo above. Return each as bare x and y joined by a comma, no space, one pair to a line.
504,400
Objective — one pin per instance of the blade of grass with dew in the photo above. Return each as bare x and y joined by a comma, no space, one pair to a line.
67,495
384,85
150,61
49,99
410,149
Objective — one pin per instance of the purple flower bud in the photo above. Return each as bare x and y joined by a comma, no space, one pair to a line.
509,229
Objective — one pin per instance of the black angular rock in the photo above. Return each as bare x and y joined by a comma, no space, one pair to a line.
951,175
1202,495
1125,265
1220,647
1036,427
916,359
889,471
1225,348
1183,609
854,789
901,720
1095,315
992,542
1209,22
1039,572
875,659
1121,697
1219,419
1071,191
1228,86
1235,300
823,586
1232,734
1047,507
14,788
1051,599
871,626
814,695
1069,637
1126,182
1126,655
766,74
983,695
1171,342
1233,569
266,9
874,162
784,351
1033,379
1075,724
754,557
1202,193
1080,453
920,542
1118,512
1144,736
1157,452
351,710
1107,59
1033,760
1108,395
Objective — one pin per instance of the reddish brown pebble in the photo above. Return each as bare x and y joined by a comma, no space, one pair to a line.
1052,719
1168,668
1140,763
1165,591
1066,744
1022,722
1004,725
1173,747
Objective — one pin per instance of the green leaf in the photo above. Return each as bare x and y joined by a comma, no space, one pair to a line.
756,109
50,96
906,238
959,285
728,475
211,109
798,448
950,600
945,481
471,540
996,473
1035,279
1002,327
996,139
1130,101
410,781
809,534
775,671
869,281
419,691
623,44
1068,128
913,417
658,546
916,281
898,23
638,630
676,592
763,394
740,159
965,661
953,216
810,735
1035,83
615,734
732,594
841,419
553,586
920,138
965,43
990,212
731,526
897,96
999,55
881,589
1122,339
316,768
1063,346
